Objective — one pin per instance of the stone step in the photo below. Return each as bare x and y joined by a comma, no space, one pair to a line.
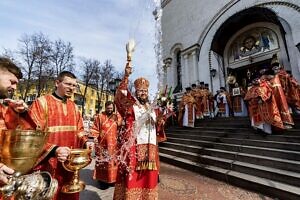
243,148
288,177
229,129
214,128
262,185
237,141
195,154
220,120
242,129
295,118
221,124
287,137
225,119
284,176
234,122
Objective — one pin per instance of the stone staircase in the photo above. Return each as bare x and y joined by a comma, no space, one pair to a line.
228,149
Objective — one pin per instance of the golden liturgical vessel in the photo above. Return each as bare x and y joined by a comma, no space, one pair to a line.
130,46
78,159
20,150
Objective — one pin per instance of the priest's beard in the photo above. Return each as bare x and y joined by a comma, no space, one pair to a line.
143,101
109,113
5,93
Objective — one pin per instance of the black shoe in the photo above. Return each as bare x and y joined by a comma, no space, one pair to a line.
103,185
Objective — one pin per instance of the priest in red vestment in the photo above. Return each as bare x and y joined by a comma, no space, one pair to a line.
294,99
263,109
279,95
197,94
139,160
205,100
224,102
60,117
13,113
290,86
281,101
187,107
105,128
238,105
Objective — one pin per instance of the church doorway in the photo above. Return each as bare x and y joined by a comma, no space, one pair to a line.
243,74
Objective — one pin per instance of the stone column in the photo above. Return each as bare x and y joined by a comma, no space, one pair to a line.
182,72
185,72
173,75
168,72
194,68
168,75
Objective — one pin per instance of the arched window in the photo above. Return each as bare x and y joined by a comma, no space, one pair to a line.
178,72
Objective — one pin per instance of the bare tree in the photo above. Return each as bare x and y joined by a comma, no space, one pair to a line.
89,67
40,59
104,74
62,56
8,53
96,81
26,52
42,51
34,53
130,82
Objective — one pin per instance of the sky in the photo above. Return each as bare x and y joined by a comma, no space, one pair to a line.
97,29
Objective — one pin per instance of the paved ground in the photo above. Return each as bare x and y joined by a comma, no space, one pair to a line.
175,183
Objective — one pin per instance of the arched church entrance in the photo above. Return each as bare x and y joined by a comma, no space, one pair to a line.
246,42
250,50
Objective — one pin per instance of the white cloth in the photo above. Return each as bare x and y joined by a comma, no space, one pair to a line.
144,125
207,114
221,98
267,128
185,120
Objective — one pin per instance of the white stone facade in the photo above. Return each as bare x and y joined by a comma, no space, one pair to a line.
190,27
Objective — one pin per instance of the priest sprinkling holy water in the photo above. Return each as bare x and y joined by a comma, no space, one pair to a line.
143,128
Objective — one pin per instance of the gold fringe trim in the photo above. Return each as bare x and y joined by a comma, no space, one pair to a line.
146,165
53,129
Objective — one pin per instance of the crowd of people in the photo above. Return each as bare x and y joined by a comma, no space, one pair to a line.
126,133
270,99
273,98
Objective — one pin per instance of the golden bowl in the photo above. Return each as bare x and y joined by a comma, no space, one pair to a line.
20,149
78,159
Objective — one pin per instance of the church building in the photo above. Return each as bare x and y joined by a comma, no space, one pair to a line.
213,41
